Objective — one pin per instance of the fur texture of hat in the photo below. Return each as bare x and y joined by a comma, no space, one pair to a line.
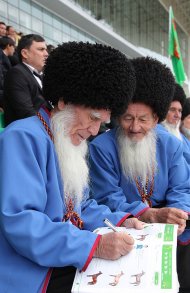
186,109
92,75
155,85
179,95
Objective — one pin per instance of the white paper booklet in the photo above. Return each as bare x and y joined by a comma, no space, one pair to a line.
149,267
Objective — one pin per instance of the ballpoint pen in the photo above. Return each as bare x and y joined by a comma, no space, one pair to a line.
110,225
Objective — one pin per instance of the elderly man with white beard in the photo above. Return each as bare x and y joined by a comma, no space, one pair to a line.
185,129
173,118
137,167
173,122
46,216
185,119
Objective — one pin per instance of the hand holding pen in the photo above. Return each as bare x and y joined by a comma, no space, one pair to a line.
113,245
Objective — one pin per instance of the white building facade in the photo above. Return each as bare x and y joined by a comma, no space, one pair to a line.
135,27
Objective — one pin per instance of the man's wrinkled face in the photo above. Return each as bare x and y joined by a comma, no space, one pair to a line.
186,122
36,55
86,122
174,113
137,121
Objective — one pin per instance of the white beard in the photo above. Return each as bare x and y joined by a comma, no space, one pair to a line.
173,129
138,159
185,131
71,158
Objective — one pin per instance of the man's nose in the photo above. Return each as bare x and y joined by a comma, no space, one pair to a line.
135,126
46,53
177,114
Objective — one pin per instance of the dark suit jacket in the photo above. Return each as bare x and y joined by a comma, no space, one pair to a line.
22,94
5,65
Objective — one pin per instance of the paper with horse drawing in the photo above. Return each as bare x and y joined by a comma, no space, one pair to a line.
151,265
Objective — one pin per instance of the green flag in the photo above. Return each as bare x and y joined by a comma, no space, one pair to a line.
174,50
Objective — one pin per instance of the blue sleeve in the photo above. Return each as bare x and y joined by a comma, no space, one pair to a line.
186,149
178,191
93,215
105,175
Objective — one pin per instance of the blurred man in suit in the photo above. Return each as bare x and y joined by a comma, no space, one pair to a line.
7,48
23,85
2,29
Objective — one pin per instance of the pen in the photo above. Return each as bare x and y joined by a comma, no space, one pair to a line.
110,225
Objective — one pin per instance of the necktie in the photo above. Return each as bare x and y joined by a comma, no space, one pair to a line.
38,75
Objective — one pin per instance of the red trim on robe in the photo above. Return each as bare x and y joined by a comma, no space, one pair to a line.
46,282
91,253
123,219
142,211
183,243
46,110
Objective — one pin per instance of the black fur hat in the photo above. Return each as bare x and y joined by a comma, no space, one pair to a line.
93,75
179,95
186,109
155,85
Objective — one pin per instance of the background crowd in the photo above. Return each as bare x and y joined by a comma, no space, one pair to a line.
10,55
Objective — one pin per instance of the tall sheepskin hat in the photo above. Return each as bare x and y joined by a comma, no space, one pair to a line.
155,85
92,75
179,95
186,109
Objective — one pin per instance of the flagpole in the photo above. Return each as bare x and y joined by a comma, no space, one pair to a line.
170,22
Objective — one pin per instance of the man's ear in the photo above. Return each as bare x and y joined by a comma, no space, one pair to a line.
155,118
24,53
61,105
